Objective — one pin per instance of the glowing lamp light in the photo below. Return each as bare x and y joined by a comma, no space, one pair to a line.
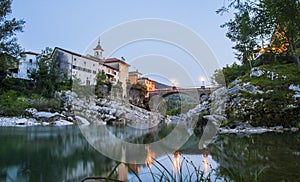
174,82
262,50
202,80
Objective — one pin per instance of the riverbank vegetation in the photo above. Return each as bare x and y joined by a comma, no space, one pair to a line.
263,90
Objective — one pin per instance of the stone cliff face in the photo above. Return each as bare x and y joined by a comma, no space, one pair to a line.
267,98
264,98
104,110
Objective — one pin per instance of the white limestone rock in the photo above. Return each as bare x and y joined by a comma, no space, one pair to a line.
256,72
62,123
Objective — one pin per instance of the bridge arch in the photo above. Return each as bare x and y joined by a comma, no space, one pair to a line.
203,96
197,94
192,94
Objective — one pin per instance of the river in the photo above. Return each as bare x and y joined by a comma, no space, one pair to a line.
63,154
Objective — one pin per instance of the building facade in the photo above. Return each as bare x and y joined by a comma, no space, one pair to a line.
27,64
123,68
134,76
83,67
150,84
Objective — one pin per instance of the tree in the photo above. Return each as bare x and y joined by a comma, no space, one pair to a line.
242,31
101,88
9,48
264,16
49,78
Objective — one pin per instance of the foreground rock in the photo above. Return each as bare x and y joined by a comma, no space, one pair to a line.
16,121
105,111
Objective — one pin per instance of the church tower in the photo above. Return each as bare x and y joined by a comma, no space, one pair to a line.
98,50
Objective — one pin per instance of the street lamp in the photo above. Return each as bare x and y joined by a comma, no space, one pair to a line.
202,79
174,82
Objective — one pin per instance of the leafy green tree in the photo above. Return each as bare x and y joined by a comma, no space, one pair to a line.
101,79
102,88
242,31
230,73
9,48
255,22
48,78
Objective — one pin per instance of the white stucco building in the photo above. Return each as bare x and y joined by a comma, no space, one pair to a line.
84,67
27,63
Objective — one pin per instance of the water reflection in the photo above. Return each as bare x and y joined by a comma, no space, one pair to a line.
62,154
205,160
176,161
48,154
150,157
265,157
177,166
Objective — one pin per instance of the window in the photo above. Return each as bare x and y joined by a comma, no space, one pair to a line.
84,63
74,59
94,65
94,72
28,71
30,60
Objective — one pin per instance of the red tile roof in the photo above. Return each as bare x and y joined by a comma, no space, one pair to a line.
114,60
109,60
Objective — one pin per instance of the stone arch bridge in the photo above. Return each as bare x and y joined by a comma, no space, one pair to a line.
197,94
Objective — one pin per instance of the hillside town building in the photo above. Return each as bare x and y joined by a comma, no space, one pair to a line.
84,67
27,63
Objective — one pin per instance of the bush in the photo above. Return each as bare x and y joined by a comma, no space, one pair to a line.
12,104
45,104
230,73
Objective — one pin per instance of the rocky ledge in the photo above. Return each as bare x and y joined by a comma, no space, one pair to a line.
87,111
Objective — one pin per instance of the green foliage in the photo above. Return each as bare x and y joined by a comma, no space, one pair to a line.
12,104
142,89
178,103
101,79
50,78
270,108
255,21
103,85
9,49
45,104
230,73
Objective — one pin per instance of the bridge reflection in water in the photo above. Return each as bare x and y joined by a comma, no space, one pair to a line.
171,166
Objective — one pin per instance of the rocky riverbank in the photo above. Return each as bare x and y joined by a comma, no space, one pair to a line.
265,99
78,110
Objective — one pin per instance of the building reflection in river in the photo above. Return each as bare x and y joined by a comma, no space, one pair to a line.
205,161
150,157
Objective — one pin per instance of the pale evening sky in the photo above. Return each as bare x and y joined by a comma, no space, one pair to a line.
74,24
